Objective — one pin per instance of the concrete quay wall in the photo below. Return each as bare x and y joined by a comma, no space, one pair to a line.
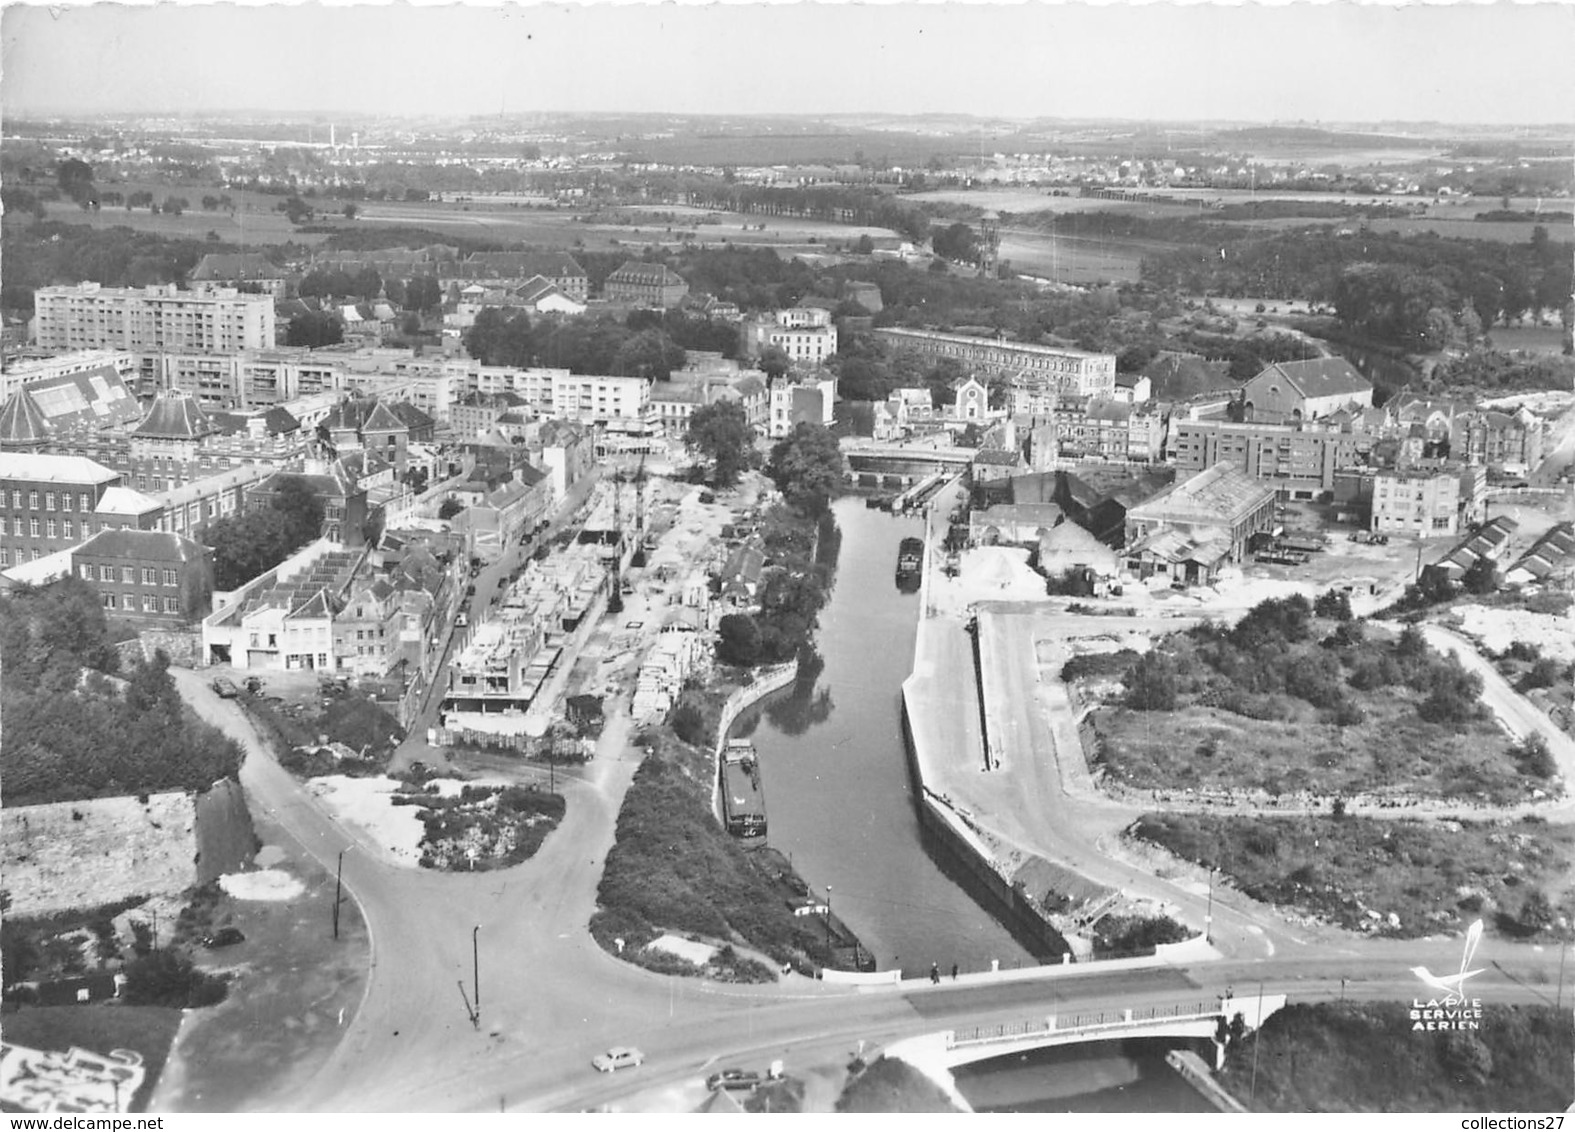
969,853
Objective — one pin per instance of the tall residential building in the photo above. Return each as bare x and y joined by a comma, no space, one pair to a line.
1300,461
161,317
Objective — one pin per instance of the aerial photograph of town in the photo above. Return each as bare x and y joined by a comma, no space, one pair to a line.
796,558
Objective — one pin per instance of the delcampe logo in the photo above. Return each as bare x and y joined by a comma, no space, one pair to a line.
1452,1011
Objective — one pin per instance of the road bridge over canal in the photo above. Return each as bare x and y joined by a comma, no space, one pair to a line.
937,1054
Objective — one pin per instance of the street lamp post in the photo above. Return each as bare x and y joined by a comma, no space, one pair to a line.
1564,947
828,917
339,874
1208,917
475,968
1257,1037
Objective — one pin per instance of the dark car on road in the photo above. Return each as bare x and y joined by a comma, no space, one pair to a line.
739,1080
225,688
224,937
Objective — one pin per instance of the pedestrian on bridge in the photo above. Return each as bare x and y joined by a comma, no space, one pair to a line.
935,973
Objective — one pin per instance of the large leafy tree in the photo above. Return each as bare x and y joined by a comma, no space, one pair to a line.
368,284
245,546
650,353
497,338
76,180
807,467
302,510
721,433
774,362
315,328
423,293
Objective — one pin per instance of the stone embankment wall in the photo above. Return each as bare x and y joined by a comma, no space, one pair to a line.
767,681
975,859
66,855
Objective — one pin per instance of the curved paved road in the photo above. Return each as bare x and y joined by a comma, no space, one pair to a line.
550,998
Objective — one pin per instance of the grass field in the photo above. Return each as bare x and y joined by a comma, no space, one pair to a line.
1356,872
150,1030
1395,752
252,226
1066,259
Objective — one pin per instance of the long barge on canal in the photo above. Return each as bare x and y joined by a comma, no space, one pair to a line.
743,798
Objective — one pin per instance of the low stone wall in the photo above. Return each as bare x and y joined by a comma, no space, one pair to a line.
65,855
974,858
860,978
182,646
768,681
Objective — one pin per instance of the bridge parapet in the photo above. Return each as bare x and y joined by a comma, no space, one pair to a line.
1081,1022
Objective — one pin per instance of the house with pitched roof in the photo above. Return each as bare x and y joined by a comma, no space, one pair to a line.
148,577
360,422
1495,439
1305,391
543,296
558,268
245,271
1551,557
645,285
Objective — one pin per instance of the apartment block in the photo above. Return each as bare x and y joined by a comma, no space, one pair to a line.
1049,370
1300,461
90,316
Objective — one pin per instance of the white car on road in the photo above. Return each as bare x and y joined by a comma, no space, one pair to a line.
619,1057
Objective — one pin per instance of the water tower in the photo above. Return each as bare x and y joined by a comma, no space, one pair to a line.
989,244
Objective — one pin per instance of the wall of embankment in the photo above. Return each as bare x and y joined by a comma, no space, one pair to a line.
964,849
768,681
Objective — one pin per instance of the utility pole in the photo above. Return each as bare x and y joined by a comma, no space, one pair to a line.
828,917
1257,1039
475,968
1208,917
339,876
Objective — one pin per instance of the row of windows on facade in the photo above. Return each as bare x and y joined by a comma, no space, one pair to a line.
150,604
84,501
128,574
67,529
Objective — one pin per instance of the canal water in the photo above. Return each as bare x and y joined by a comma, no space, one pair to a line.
839,798
1094,1077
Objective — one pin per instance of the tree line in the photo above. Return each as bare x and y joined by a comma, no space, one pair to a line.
78,723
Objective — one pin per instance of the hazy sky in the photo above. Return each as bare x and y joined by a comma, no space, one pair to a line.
1501,62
